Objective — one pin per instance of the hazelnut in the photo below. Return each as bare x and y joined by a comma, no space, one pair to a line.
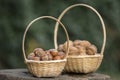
36,58
61,54
91,50
53,52
73,50
56,58
81,50
39,51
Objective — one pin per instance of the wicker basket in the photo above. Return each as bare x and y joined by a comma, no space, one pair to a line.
86,63
51,68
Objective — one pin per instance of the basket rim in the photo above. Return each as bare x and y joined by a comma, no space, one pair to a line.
85,56
54,61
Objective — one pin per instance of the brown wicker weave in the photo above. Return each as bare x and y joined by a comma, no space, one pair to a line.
86,63
45,68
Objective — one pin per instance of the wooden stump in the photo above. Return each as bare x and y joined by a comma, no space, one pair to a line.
23,74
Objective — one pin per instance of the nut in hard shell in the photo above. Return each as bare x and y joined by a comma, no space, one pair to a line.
53,52
44,57
61,54
36,58
32,54
60,48
50,57
85,43
57,58
91,50
39,51
81,50
30,57
73,50
65,45
76,42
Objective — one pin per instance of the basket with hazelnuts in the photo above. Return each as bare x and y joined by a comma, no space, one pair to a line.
46,63
83,56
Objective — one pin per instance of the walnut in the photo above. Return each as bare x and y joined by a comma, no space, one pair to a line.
81,50
36,58
73,50
53,52
61,54
39,51
76,42
50,57
85,43
56,58
65,45
44,57
60,48
30,56
91,50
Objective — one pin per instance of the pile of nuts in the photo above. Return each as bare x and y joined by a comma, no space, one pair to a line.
40,55
79,47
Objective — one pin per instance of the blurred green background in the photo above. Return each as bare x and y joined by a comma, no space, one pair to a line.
80,22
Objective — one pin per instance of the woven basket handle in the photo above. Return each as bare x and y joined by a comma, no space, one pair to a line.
94,10
50,17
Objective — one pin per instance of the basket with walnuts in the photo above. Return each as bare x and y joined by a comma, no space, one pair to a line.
39,54
45,63
83,56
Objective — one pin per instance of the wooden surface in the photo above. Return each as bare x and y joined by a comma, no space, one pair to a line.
23,74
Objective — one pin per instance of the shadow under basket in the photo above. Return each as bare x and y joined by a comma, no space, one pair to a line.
83,64
46,68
